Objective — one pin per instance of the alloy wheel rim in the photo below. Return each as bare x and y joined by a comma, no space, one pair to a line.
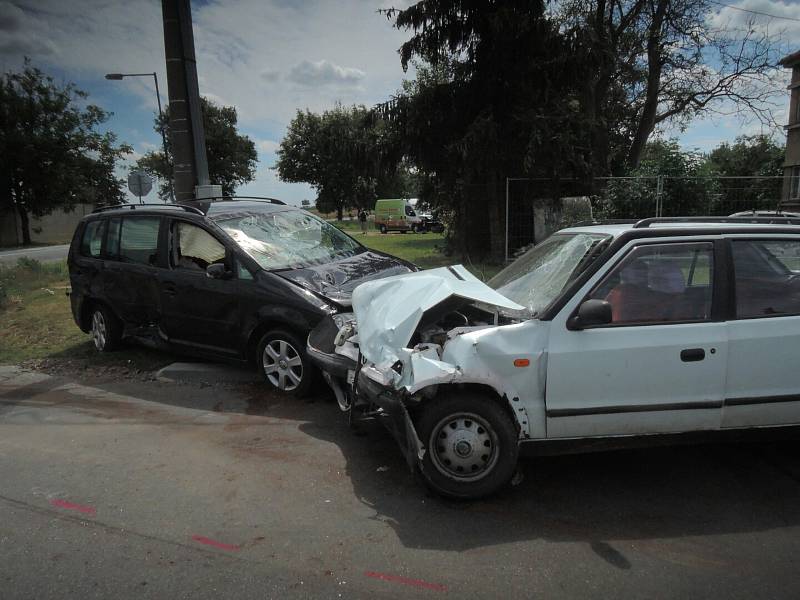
99,330
282,365
463,446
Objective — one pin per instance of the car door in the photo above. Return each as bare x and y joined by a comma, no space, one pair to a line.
130,281
660,365
198,310
763,385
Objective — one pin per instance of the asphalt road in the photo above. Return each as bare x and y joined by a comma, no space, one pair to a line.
154,490
40,253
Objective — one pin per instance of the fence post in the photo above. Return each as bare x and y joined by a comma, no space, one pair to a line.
659,191
506,258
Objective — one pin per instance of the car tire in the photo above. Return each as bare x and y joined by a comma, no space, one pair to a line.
106,329
383,229
471,444
284,364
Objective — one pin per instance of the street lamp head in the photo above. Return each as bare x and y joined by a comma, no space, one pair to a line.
114,76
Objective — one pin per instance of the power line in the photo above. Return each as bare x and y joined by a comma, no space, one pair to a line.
755,12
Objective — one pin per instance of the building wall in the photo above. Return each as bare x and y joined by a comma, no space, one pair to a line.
792,164
55,228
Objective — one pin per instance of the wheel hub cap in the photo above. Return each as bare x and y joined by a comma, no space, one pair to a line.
282,365
463,447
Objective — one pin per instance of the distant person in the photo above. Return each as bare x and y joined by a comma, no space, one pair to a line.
362,216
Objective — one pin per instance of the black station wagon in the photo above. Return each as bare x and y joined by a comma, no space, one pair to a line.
234,279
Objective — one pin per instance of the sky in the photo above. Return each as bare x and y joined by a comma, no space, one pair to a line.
269,58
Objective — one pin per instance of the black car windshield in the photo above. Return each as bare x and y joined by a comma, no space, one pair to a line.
287,239
537,277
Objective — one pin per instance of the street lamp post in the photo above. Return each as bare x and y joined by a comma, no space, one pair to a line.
119,77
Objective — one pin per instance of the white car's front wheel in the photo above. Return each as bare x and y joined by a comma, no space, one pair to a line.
471,445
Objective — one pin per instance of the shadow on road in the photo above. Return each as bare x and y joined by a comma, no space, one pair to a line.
647,495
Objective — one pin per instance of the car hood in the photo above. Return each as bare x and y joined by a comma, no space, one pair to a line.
389,311
338,279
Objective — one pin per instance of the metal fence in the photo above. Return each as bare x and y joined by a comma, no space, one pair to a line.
534,208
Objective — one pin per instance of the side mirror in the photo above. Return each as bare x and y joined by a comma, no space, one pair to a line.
217,271
591,312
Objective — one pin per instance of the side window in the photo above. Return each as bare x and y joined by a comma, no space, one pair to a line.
138,240
243,272
193,248
112,241
767,277
92,240
660,283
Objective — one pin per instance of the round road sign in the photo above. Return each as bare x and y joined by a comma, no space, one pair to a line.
139,183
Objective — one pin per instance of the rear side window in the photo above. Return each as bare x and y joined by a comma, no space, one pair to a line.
138,241
767,277
92,241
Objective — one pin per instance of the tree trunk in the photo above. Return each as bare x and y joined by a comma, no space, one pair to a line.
647,120
26,225
339,212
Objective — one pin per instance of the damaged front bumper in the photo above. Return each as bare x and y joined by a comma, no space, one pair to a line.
359,390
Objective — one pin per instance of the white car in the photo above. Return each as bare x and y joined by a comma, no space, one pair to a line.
665,326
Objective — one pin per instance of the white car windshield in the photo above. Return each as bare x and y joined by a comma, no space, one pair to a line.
287,239
540,274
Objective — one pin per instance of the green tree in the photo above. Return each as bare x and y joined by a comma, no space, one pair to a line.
494,97
751,172
660,62
685,188
51,154
232,157
348,154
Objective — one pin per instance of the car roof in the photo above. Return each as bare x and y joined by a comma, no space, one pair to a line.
689,225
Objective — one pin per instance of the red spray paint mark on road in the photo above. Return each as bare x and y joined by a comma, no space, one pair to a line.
209,542
406,581
87,510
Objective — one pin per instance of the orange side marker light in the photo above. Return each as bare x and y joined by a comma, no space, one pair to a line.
521,362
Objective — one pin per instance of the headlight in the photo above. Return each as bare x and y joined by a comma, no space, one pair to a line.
342,319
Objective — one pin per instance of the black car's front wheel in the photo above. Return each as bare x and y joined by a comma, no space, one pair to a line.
471,445
283,362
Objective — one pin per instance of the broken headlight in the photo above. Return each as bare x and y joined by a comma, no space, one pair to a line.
342,319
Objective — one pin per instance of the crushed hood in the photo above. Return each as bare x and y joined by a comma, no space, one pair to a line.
337,280
388,311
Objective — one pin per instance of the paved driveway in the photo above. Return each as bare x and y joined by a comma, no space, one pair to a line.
154,490
40,253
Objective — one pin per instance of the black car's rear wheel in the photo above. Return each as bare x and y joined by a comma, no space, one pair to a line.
106,329
284,364
471,445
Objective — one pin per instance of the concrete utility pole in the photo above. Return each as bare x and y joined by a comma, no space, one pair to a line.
185,116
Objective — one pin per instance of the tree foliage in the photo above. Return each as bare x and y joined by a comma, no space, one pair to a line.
232,156
51,154
348,154
506,89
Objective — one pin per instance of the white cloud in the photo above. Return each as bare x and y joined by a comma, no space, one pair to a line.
731,17
322,73
266,147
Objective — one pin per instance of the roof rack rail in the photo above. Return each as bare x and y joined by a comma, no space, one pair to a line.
777,220
259,198
589,222
132,206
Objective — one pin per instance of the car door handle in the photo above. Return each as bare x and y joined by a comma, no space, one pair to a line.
692,354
